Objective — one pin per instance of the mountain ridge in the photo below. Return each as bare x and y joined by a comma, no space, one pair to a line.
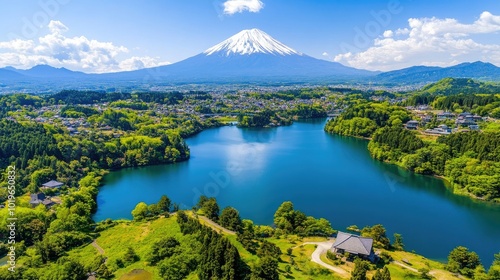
250,55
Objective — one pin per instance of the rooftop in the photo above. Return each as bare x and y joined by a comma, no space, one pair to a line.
52,184
353,243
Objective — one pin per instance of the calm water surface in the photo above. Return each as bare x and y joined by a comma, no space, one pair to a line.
324,175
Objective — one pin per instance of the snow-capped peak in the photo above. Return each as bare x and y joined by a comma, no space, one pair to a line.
251,41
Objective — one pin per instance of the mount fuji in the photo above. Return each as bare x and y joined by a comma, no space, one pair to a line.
251,55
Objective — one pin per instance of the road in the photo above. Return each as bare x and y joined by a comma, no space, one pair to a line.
321,248
216,226
99,248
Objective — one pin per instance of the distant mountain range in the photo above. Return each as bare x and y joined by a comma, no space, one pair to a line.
424,74
249,56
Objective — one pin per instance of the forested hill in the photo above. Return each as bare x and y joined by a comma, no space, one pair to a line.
449,86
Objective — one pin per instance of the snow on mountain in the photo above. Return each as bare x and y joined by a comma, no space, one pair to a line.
251,41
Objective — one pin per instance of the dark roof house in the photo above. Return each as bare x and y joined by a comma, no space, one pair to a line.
354,244
412,124
40,198
52,184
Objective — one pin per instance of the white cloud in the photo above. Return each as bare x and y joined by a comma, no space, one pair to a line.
76,53
325,54
429,41
136,62
56,26
388,33
238,6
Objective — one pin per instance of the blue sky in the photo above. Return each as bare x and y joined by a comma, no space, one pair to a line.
103,36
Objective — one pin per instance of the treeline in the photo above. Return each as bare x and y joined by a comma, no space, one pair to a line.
76,97
363,119
41,154
261,119
291,94
459,95
467,263
452,86
281,117
483,105
76,111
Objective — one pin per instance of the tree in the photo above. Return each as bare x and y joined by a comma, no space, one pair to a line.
130,256
230,219
378,233
211,209
162,249
201,202
140,211
153,210
68,269
360,269
460,260
386,275
494,271
398,242
424,273
164,204
177,267
269,249
266,269
377,276
99,266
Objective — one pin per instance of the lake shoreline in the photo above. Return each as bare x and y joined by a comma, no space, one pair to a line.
267,159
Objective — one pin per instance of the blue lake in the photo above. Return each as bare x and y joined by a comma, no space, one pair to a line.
255,170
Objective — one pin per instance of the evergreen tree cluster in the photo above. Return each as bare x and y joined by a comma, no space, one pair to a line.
219,258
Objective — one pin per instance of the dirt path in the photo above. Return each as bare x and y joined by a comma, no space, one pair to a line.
405,266
432,272
216,226
99,248
321,248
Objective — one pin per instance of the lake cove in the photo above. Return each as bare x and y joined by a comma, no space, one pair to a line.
255,170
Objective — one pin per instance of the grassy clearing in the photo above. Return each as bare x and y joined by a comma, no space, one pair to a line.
427,137
417,262
226,119
302,267
137,274
139,235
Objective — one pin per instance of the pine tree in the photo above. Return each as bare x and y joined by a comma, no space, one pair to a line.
359,272
386,275
377,276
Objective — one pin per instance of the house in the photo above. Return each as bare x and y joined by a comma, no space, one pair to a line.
40,198
412,124
445,116
474,127
465,119
442,129
477,118
52,184
426,119
354,245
